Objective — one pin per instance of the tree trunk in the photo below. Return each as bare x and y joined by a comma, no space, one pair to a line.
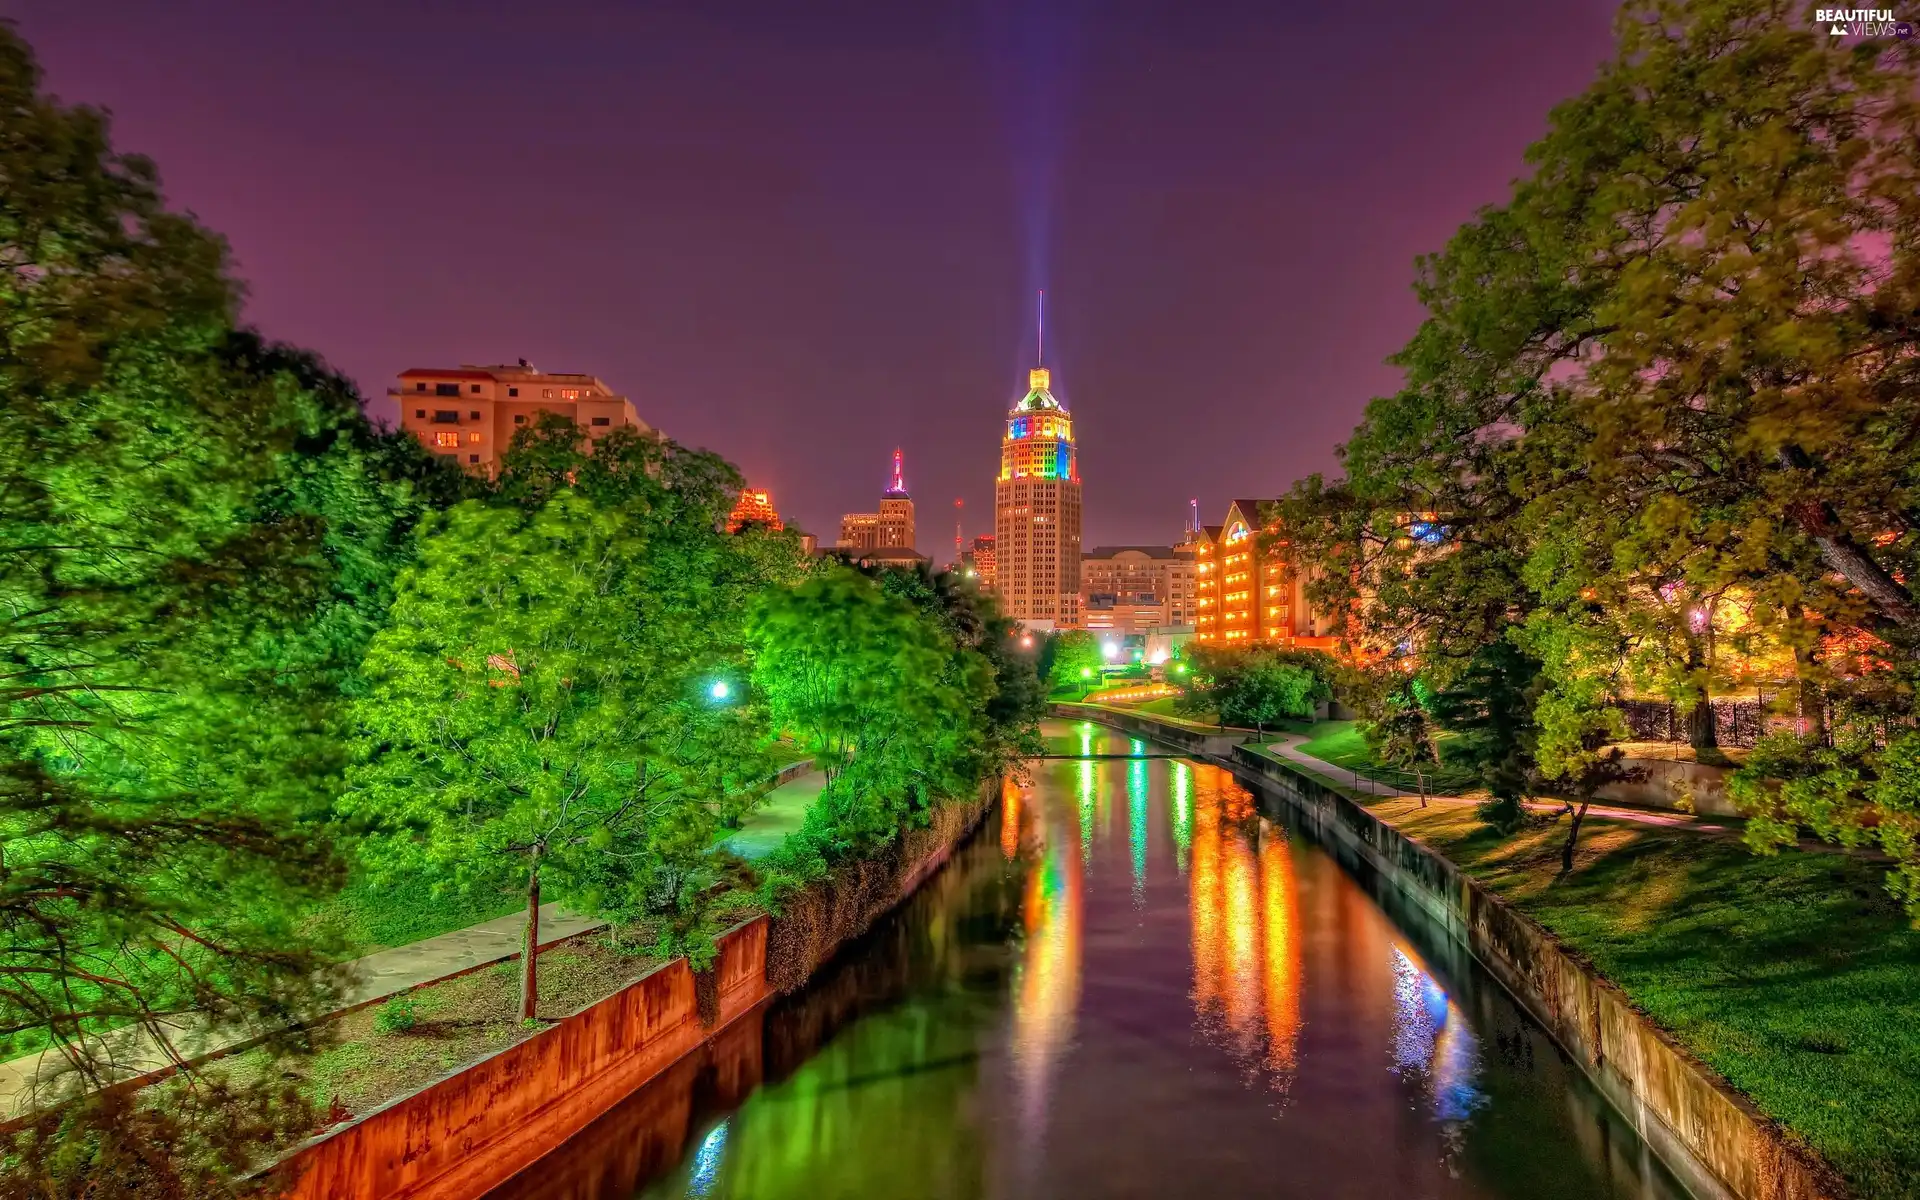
1702,731
1812,697
1837,547
1573,835
530,945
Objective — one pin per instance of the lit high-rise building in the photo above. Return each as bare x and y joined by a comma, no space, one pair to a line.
889,529
896,510
1036,510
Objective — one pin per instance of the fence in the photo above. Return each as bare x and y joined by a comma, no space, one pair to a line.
1737,722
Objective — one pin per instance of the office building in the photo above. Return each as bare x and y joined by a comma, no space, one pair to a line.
1036,511
889,529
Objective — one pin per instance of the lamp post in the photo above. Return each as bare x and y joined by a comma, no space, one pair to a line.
1086,681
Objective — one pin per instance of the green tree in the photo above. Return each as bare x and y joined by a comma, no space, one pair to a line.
1489,709
529,724
184,589
876,689
1073,659
1403,734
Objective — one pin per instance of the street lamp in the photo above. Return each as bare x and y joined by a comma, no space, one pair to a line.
720,691
1086,681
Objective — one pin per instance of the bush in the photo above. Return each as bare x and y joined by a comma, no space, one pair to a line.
398,1015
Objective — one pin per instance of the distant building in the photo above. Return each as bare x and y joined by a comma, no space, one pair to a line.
891,527
876,556
1139,576
1036,512
755,504
1248,588
981,560
470,413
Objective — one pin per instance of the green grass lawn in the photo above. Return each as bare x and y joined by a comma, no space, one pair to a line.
1797,977
1341,743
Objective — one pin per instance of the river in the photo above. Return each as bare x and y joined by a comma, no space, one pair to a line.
1131,983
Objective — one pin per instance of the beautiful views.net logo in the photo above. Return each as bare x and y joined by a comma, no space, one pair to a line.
1862,22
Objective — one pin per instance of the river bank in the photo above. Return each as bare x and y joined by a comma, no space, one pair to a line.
1769,980
482,1121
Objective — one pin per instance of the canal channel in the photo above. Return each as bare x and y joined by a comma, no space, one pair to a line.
1135,981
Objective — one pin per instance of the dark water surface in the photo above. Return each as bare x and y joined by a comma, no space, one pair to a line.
1131,984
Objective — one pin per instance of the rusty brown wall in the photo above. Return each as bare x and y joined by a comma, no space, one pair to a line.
469,1131
1711,1135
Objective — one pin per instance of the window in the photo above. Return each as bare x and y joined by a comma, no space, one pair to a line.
446,438
445,416
419,387
473,458
446,389
473,439
474,415
420,414
603,420
474,388
519,418
513,391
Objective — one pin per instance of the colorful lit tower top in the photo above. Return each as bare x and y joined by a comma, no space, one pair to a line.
1039,441
898,485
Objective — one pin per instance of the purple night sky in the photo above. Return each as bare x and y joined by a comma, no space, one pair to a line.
801,234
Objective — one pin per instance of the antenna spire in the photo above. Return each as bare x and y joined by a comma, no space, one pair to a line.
1040,332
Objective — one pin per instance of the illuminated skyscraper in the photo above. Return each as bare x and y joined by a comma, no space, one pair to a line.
1036,511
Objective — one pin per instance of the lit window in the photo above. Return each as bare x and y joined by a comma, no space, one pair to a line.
446,438
473,439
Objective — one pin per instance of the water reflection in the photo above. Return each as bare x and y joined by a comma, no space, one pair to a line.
1048,979
1245,931
1192,1001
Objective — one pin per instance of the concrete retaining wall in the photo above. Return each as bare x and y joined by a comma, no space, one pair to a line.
1680,786
461,1136
1709,1134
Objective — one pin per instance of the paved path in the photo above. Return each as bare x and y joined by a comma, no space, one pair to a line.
134,1051
781,813
1288,747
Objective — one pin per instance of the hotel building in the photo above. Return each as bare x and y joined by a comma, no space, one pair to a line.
470,414
1245,594
1036,512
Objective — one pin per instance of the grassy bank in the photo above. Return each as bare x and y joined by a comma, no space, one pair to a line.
1342,744
1796,977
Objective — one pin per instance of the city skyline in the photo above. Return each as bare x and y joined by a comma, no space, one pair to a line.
699,228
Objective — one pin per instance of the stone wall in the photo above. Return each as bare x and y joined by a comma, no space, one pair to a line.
1709,1134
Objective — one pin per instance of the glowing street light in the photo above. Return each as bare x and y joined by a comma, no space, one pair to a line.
720,690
